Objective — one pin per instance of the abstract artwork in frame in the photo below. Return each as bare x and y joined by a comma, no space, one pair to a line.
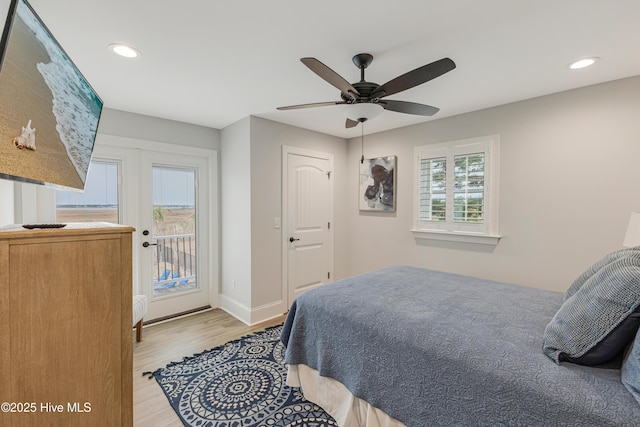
377,190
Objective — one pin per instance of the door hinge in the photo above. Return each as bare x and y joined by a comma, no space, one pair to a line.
328,174
328,275
329,226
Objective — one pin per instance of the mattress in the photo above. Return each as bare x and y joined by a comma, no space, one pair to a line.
345,408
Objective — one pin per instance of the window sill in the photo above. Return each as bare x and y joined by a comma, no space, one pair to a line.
457,236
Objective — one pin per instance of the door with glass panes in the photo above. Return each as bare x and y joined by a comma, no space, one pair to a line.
165,198
174,232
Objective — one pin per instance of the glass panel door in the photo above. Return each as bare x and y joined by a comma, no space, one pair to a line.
174,230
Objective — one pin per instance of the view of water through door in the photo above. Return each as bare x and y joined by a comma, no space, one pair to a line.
98,203
174,233
174,230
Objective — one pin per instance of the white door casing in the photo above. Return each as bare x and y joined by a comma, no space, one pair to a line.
307,216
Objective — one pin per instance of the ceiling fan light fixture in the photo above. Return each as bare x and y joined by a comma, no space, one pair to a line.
362,111
583,63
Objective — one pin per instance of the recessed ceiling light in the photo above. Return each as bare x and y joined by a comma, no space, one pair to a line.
583,63
124,50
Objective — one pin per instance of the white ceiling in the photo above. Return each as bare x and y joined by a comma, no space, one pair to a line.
214,62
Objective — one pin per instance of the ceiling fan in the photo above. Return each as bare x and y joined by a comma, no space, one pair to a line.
368,96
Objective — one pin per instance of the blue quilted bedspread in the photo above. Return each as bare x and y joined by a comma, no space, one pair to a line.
438,349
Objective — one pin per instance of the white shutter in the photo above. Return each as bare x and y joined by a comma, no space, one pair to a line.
456,186
468,188
433,189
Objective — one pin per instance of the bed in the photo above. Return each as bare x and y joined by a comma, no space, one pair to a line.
417,347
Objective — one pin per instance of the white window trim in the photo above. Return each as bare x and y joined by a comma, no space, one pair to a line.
456,236
487,234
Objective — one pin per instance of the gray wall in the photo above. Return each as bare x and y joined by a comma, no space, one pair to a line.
139,126
235,208
267,139
568,184
250,200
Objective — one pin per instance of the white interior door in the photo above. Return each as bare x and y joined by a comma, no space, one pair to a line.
308,212
173,233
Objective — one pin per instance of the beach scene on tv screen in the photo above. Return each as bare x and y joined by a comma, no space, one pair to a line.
48,112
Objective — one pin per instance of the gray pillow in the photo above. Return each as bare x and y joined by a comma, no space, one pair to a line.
610,346
631,369
589,272
605,300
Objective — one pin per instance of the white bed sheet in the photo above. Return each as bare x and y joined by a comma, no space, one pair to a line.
337,400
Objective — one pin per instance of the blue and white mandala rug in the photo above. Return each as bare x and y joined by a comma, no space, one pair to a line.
239,384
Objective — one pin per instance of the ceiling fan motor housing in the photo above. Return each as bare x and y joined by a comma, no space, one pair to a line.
366,89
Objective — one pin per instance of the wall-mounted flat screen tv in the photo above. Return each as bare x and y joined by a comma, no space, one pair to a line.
49,113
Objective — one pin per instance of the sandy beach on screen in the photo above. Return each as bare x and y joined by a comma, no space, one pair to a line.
25,96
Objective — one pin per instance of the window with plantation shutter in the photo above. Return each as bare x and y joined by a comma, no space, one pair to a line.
457,191
468,188
433,189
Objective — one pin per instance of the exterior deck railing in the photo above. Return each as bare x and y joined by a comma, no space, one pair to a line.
175,261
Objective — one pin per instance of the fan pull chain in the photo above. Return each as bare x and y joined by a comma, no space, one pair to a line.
362,141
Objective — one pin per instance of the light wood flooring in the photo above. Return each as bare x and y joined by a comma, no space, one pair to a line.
170,342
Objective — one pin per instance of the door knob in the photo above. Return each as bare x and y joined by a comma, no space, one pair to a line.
147,244
291,239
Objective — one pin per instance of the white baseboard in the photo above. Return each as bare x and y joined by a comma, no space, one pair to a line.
268,312
252,316
236,309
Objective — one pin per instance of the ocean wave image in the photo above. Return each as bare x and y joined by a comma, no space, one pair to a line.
75,105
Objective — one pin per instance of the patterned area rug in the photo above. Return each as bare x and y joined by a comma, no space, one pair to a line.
239,384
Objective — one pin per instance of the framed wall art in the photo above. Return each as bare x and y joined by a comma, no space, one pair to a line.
377,190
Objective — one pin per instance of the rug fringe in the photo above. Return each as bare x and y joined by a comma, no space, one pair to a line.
153,374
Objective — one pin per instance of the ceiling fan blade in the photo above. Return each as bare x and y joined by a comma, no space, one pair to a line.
416,77
350,123
330,76
409,107
315,104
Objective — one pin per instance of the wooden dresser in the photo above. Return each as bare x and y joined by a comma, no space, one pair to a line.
65,326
